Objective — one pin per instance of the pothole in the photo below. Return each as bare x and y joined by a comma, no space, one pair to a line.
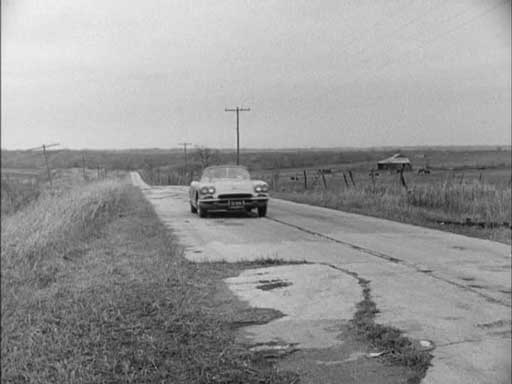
267,285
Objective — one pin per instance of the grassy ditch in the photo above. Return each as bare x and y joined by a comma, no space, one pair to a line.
448,206
94,290
398,348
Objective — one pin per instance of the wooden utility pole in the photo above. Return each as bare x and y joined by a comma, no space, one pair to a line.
237,110
185,152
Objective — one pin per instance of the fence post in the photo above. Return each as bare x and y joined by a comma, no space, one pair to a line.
402,179
345,178
323,178
351,177
83,167
305,180
275,180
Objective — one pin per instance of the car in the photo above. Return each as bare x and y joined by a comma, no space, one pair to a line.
228,188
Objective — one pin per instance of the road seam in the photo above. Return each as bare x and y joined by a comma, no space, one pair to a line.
394,260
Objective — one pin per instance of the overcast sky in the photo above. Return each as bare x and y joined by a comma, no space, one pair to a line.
125,74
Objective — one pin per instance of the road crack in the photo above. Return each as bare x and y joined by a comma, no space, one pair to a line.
399,349
392,259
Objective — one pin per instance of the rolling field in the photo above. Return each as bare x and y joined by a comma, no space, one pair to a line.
467,191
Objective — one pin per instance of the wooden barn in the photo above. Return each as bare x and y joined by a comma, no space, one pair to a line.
395,162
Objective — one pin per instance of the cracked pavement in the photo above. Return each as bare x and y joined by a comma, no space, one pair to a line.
443,287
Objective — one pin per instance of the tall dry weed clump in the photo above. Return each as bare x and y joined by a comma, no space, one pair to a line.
474,200
16,195
37,239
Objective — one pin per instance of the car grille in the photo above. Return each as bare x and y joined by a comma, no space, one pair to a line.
235,196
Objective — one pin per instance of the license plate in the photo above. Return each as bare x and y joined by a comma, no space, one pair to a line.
235,204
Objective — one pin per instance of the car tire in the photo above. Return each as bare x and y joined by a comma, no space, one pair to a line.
262,211
193,209
201,211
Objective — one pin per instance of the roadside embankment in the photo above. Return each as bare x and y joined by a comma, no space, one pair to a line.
95,289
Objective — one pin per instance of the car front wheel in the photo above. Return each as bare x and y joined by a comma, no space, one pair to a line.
201,211
262,211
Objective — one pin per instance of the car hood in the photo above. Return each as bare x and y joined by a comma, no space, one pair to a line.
233,186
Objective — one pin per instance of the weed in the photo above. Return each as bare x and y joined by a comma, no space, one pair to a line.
400,350
95,290
428,204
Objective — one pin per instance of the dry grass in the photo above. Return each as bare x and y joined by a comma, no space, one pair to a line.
398,348
17,195
20,189
426,204
36,240
94,290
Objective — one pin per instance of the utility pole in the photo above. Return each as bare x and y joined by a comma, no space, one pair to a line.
44,147
237,110
185,152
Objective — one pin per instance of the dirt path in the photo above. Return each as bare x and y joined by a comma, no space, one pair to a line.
449,289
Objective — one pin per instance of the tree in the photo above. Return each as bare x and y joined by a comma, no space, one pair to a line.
207,156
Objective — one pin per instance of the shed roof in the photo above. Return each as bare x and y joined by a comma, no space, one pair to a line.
397,158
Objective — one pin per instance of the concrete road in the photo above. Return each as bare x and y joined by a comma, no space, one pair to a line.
449,289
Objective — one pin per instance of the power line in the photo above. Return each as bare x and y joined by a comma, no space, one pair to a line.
400,27
463,24
392,61
237,110
356,36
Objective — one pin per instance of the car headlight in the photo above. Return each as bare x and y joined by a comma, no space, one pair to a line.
261,188
207,190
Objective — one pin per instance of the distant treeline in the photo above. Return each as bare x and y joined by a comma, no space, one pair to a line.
257,160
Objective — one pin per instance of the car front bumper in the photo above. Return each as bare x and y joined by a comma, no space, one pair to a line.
226,204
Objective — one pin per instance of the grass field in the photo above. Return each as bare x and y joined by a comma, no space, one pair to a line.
95,289
472,202
468,190
256,159
20,186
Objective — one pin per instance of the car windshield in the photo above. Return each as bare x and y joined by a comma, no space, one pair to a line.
232,173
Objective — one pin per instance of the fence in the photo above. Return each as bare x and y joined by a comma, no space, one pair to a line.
323,177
